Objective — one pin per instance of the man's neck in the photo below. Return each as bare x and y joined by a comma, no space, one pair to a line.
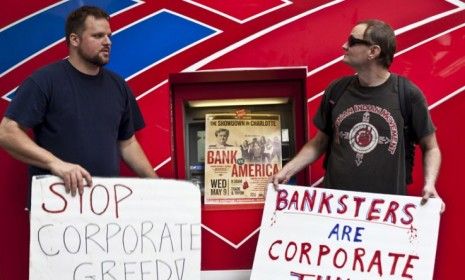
84,66
373,76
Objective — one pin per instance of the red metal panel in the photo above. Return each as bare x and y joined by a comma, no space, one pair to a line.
274,39
226,230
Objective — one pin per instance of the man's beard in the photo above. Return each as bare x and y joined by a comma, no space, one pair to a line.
95,60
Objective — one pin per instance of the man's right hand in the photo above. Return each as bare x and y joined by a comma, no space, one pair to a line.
310,152
73,175
282,177
15,140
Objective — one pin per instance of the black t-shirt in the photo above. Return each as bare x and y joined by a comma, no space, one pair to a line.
77,117
367,148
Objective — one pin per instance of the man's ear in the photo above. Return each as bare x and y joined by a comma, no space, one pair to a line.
375,51
74,39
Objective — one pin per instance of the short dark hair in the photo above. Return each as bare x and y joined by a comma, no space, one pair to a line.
222,130
76,19
381,34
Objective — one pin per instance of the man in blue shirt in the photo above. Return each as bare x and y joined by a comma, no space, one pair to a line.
83,116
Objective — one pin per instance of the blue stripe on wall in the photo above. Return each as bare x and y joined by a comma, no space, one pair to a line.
24,39
151,40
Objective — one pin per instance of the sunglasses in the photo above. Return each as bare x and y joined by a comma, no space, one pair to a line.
352,41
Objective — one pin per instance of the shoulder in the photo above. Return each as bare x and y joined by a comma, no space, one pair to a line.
415,94
43,79
115,78
335,90
341,82
48,71
337,87
52,67
113,75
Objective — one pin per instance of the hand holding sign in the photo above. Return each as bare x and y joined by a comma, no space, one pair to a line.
119,229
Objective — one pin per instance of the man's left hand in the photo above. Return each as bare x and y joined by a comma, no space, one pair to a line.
430,191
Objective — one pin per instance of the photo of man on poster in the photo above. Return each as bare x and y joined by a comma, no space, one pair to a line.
222,135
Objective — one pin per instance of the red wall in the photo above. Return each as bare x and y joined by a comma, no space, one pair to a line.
431,38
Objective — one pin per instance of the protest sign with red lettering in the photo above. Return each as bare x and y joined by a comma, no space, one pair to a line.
316,233
121,228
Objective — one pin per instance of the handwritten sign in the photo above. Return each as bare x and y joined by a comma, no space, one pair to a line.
118,229
315,233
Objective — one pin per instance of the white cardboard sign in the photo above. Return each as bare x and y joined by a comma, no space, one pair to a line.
121,228
315,233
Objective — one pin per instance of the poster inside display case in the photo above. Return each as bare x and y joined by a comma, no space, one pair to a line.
242,151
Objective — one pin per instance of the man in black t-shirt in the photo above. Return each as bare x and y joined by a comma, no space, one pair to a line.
82,115
365,129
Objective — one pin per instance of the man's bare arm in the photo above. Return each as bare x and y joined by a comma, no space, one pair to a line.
310,152
134,156
14,139
431,165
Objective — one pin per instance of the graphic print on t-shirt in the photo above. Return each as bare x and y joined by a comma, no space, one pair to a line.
364,136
